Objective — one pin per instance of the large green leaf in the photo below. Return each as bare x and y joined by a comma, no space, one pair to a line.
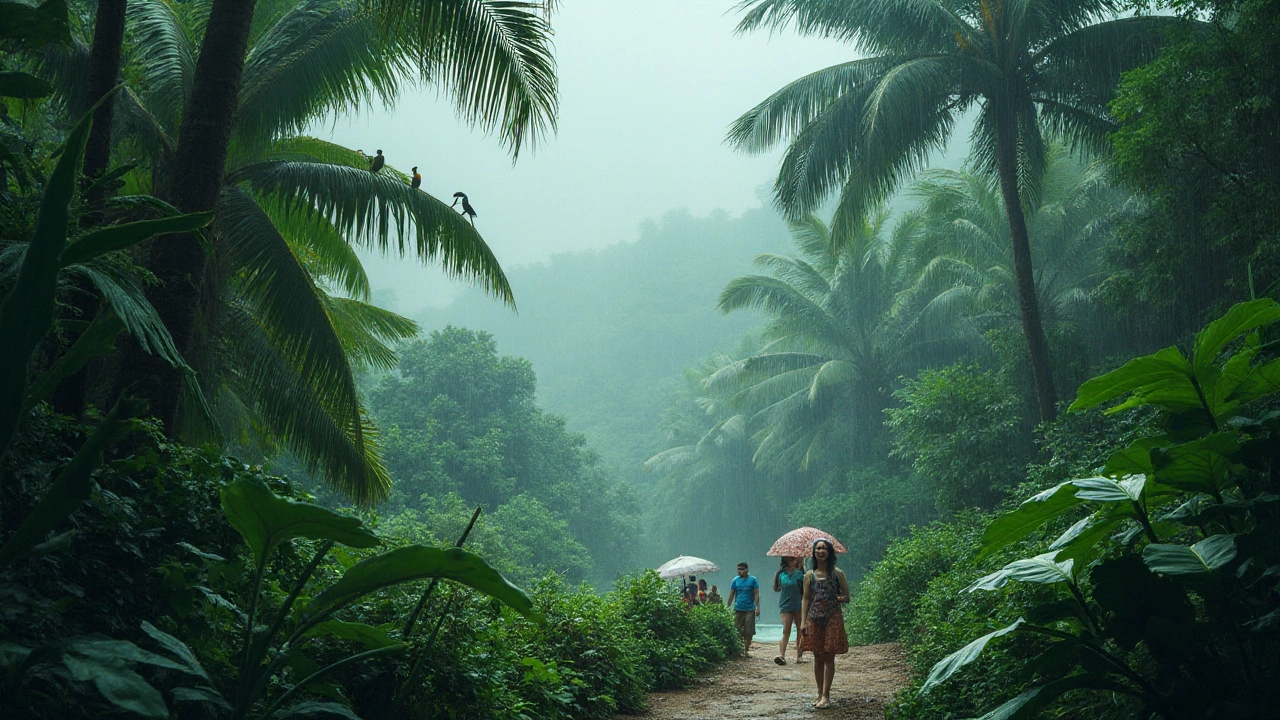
123,687
73,484
1080,542
187,659
1029,703
1197,466
265,520
1162,378
97,339
951,664
418,562
1042,570
26,314
24,86
1240,319
1205,556
1101,489
122,237
1030,515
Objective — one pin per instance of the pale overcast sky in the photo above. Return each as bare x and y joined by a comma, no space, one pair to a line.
647,93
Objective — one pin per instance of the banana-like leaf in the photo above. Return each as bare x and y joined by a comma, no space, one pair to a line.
265,520
26,314
1042,569
24,86
1162,379
74,483
120,685
186,659
1030,515
1205,556
951,664
1102,489
1080,542
1242,318
97,339
1198,466
122,237
369,636
1029,703
121,651
417,562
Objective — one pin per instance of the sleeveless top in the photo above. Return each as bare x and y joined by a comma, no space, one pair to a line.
823,599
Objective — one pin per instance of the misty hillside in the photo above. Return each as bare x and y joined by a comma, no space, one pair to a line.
610,331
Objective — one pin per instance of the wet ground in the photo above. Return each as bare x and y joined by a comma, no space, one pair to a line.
867,678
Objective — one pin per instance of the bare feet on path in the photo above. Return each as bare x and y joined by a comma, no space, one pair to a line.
867,678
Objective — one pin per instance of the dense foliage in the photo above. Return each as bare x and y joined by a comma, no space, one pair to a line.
460,420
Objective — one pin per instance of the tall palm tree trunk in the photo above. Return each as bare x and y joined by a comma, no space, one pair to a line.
1023,271
180,261
103,73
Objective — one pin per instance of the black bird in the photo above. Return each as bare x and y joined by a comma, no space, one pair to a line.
417,178
378,162
467,210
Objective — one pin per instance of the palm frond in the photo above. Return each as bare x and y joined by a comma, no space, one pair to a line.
492,56
786,112
779,299
877,26
344,453
320,57
121,290
376,210
368,333
869,141
318,244
286,303
164,58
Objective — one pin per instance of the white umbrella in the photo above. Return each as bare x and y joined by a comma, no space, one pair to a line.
686,565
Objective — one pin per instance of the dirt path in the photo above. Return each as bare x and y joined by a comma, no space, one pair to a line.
755,687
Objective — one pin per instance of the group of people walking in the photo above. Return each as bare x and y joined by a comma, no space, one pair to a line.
810,600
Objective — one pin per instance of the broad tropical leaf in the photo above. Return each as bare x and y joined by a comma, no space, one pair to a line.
1205,556
265,520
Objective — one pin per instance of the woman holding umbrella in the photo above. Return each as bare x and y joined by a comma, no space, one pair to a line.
789,581
821,621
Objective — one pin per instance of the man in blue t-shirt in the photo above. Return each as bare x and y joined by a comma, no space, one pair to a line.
744,598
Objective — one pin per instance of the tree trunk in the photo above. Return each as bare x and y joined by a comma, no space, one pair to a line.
1023,270
180,261
103,74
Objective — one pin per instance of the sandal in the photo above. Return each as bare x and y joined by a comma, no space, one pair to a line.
780,660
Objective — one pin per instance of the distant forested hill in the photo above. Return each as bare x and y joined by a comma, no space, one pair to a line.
610,331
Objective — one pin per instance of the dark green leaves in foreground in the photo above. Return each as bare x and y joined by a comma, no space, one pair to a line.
265,520
1205,556
417,562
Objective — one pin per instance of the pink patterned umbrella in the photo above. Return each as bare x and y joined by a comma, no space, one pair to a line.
799,543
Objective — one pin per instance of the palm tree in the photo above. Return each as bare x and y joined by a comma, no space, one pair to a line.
866,125
966,270
492,56
838,339
276,346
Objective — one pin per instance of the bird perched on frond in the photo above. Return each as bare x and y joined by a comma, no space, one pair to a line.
417,179
378,162
467,210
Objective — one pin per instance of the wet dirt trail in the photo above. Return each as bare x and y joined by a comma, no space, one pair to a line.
867,678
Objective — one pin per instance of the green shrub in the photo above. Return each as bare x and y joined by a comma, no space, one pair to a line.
883,606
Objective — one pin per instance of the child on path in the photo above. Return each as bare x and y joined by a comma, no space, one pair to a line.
744,598
821,621
789,581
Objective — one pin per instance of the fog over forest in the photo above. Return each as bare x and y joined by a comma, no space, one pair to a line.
408,359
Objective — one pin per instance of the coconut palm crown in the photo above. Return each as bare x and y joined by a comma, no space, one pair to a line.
863,127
